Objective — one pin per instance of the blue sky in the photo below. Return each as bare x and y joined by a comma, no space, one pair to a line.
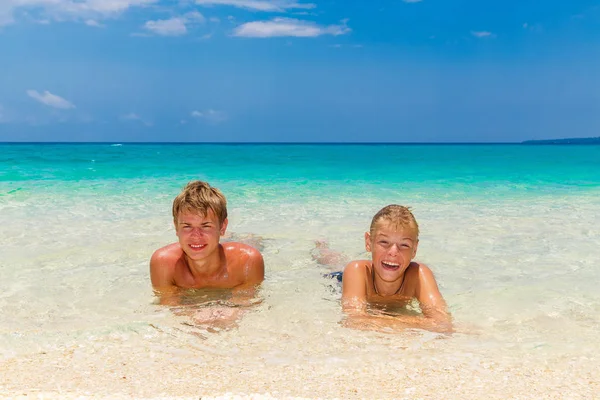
296,71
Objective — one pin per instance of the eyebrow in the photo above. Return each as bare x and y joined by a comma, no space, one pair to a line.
190,223
384,236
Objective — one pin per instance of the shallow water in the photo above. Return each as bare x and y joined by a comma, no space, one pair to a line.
511,233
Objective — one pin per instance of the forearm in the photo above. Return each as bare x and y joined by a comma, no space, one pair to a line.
397,323
168,296
245,296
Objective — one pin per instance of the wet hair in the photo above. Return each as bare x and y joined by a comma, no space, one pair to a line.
397,216
199,197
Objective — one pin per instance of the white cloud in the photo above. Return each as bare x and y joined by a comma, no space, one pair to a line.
279,27
482,34
50,99
195,16
339,46
94,23
135,117
211,116
533,27
131,117
61,10
176,26
6,14
167,27
258,5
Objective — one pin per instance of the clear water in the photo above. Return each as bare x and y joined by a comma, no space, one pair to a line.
510,231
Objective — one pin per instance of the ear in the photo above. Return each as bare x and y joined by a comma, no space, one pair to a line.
415,249
175,225
368,241
224,227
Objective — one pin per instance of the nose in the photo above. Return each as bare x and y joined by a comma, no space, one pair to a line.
196,232
394,249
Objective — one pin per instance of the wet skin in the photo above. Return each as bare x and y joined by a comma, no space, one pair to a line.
392,278
198,260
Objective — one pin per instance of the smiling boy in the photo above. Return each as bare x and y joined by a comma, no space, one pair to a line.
392,277
198,259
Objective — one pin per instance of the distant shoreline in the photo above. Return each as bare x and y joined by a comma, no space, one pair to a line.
592,140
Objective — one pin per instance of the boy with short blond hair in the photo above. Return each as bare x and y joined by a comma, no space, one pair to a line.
391,277
200,196
198,259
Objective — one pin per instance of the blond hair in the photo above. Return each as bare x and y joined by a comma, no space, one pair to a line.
199,197
397,216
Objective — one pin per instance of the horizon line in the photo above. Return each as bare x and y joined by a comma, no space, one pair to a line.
257,143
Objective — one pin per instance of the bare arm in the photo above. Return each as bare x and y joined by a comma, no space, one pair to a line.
161,275
430,299
354,304
388,323
354,288
254,274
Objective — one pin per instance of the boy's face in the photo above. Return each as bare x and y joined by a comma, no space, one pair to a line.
392,250
199,235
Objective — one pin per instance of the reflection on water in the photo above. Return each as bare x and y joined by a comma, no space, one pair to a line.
199,297
407,306
209,309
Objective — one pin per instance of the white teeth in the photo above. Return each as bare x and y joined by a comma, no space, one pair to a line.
391,264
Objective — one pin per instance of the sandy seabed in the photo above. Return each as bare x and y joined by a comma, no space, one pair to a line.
118,371
63,309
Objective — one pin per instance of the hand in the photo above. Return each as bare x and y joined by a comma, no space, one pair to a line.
213,315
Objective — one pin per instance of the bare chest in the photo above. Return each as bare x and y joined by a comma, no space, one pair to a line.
222,279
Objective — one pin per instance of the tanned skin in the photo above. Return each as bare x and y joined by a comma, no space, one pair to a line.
198,260
391,277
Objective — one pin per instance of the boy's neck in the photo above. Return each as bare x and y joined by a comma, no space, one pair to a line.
387,289
207,267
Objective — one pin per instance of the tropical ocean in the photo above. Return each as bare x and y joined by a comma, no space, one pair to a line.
512,233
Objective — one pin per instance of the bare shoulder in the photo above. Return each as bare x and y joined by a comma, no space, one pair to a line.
426,285
357,268
163,263
354,280
422,271
245,261
241,251
171,252
431,300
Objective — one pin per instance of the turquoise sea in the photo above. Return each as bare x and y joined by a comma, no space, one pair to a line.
510,231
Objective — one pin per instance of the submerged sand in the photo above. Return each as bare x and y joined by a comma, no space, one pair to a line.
416,365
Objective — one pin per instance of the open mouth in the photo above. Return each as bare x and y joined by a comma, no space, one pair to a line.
197,247
390,266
